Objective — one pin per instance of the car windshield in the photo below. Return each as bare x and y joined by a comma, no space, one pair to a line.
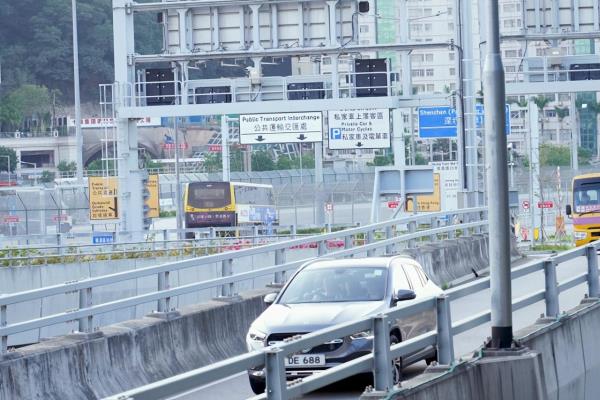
339,284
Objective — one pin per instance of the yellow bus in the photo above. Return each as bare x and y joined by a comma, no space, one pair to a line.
585,211
216,204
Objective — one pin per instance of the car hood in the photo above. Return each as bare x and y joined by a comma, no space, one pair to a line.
300,318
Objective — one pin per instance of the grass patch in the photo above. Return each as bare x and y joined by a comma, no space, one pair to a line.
552,247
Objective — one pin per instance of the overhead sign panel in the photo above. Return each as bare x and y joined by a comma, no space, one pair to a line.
281,128
359,129
153,197
440,122
103,198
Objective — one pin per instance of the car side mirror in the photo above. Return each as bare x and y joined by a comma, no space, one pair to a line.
404,294
270,298
569,210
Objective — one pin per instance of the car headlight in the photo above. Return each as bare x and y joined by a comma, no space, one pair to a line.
579,235
362,335
255,339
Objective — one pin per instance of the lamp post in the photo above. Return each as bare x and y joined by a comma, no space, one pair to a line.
78,134
7,167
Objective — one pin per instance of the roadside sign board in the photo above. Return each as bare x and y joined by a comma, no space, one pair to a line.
440,122
103,238
60,217
526,205
304,127
359,129
153,198
11,219
103,198
545,204
428,202
393,204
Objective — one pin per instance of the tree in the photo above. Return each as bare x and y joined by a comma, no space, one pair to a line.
101,165
64,166
27,101
261,161
213,162
4,161
47,176
551,155
381,161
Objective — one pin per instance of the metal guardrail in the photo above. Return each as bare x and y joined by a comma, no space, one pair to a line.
162,296
378,362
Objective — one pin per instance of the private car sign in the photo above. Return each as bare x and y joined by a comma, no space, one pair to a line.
359,129
281,128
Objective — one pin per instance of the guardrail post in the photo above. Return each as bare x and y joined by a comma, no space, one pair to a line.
433,225
3,323
227,290
279,260
165,239
592,277
370,239
293,231
164,305
382,371
412,228
322,248
465,219
349,243
445,343
254,235
275,373
85,301
552,307
389,234
328,228
450,221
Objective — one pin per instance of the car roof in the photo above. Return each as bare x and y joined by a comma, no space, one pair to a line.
381,262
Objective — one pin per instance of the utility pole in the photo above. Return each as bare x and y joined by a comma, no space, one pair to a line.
78,134
497,178
574,133
178,195
225,148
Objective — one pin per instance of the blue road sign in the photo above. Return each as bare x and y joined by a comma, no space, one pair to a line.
103,238
440,122
335,133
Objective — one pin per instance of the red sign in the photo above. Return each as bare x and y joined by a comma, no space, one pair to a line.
62,217
215,148
526,205
393,204
8,219
545,204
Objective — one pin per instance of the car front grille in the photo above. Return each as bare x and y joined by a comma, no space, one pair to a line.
320,349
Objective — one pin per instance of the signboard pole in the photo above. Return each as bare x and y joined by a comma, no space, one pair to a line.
179,197
398,138
225,149
319,195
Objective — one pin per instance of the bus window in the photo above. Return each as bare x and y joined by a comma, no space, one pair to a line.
209,194
586,196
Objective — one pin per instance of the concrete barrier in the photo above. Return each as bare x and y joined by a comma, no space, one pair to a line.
562,362
129,354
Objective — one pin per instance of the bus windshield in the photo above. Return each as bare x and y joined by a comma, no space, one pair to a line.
586,195
209,195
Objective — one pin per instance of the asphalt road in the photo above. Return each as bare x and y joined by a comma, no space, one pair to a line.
237,387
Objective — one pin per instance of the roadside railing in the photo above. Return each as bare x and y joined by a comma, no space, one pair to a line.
383,237
379,361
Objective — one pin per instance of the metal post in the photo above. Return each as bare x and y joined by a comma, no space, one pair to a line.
227,290
279,260
574,134
497,181
552,307
178,195
444,331
254,235
412,228
293,231
322,248
275,374
434,224
225,147
389,234
85,301
370,239
164,305
78,134
3,323
382,371
592,261
348,242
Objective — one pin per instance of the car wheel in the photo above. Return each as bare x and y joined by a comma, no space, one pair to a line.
397,363
257,385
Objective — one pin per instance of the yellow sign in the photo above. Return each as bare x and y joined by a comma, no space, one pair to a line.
103,198
152,200
428,202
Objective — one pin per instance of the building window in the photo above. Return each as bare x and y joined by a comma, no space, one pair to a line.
417,57
429,72
430,87
449,11
510,53
550,113
417,73
450,26
429,57
511,68
564,97
451,56
452,71
364,29
427,27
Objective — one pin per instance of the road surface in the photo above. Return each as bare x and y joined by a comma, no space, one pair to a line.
236,387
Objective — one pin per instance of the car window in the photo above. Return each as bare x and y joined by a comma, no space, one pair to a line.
413,276
338,284
399,280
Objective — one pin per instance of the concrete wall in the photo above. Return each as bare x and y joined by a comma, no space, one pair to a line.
563,363
129,354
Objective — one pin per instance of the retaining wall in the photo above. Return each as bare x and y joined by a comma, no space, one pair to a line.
563,363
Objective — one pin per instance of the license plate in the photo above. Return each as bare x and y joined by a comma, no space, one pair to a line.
305,360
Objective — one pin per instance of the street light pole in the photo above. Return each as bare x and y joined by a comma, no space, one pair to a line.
78,135
497,182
